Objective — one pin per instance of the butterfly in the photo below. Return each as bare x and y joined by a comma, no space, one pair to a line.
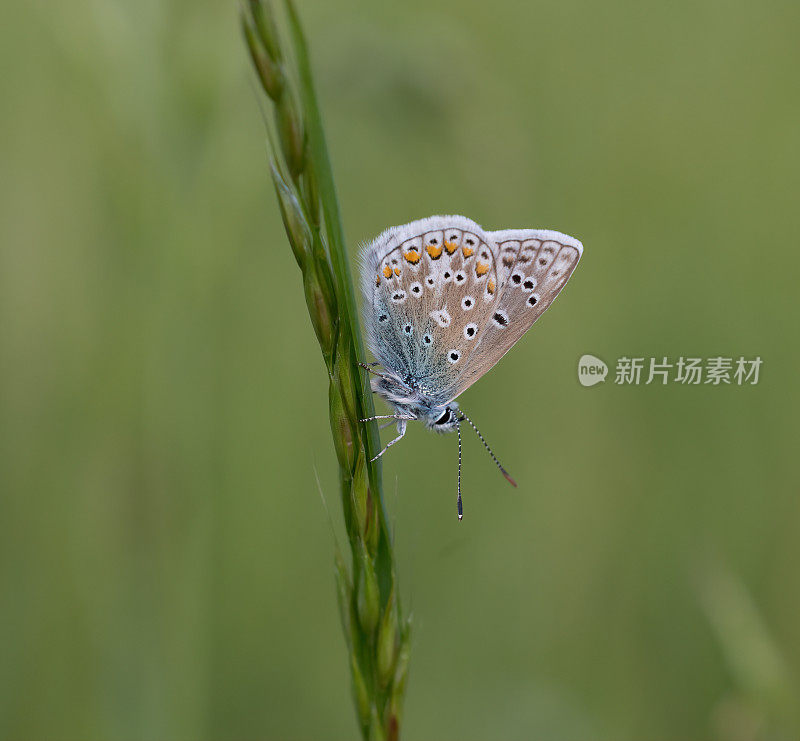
444,301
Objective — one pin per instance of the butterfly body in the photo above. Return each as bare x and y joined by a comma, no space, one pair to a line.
413,404
445,300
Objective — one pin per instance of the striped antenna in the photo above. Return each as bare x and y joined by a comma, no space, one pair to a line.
486,445
458,500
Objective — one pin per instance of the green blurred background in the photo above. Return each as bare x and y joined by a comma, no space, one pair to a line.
165,557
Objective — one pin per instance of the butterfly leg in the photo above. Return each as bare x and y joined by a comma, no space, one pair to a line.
383,416
401,428
368,367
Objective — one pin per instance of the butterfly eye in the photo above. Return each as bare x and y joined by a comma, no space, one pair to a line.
445,418
453,356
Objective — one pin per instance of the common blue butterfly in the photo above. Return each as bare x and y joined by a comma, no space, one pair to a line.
444,301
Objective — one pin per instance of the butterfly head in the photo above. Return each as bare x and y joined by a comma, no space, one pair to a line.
442,419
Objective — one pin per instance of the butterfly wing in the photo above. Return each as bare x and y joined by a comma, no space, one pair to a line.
431,288
533,267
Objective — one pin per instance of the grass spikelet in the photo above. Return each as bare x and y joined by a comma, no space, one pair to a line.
377,636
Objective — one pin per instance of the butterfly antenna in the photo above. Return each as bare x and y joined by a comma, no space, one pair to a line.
486,445
458,500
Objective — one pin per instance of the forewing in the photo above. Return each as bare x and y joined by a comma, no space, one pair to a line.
533,267
430,287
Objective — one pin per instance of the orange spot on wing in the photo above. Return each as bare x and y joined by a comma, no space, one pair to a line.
412,256
397,271
451,247
378,280
387,271
468,251
481,269
434,251
490,287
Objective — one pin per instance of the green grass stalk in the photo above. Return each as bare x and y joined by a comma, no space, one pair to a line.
376,633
